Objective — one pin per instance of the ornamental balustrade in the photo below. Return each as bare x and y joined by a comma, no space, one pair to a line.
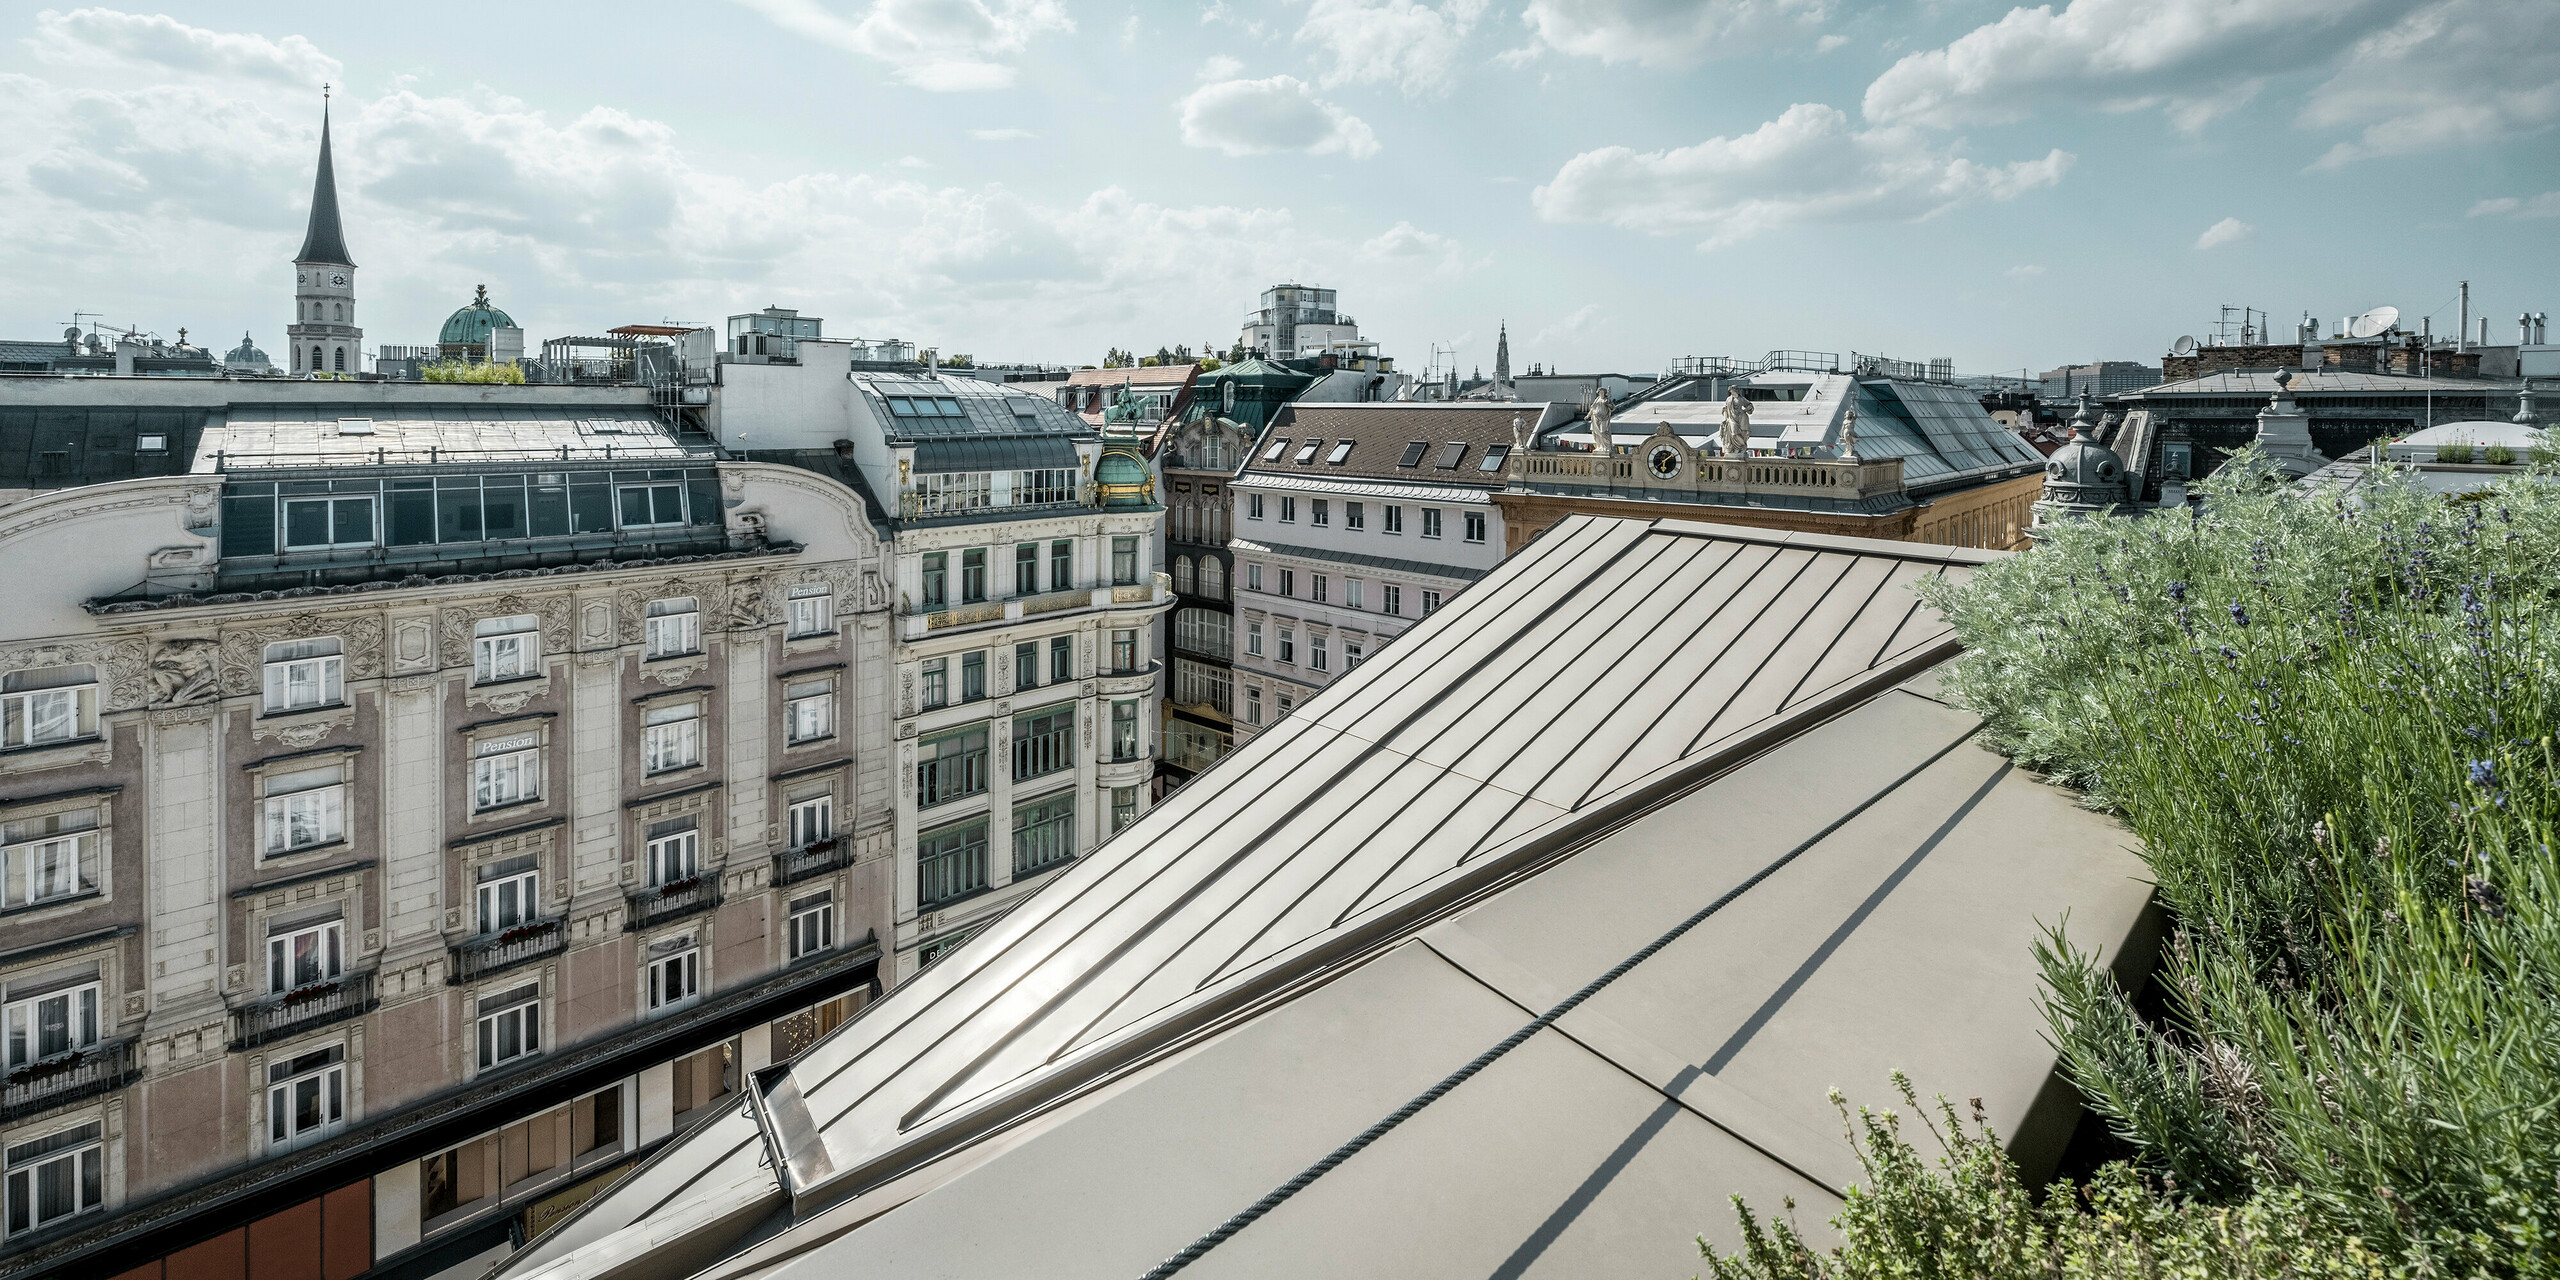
490,952
303,1008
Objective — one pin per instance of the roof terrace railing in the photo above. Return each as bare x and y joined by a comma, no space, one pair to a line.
226,461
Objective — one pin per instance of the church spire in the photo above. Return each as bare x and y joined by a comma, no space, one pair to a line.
326,241
1502,354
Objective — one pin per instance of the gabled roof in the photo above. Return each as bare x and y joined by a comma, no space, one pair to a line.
326,241
1618,728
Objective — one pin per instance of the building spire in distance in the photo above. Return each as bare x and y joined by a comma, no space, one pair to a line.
327,239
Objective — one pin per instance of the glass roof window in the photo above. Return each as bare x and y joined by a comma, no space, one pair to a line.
1341,451
1307,452
1278,447
925,407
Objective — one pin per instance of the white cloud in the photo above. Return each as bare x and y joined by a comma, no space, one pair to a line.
1665,33
1568,328
2028,271
1282,113
949,45
1220,67
2450,74
914,162
1829,43
1808,165
1131,28
1405,242
2227,231
1001,135
2194,59
103,37
1220,11
1401,42
2546,205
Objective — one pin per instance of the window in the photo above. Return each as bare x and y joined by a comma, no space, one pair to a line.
504,648
674,627
1288,582
1026,665
1183,581
813,924
1353,517
647,506
973,675
1352,593
951,861
1317,657
151,443
1430,603
1124,808
55,1024
810,611
306,1097
951,766
308,956
675,979
675,852
1284,704
316,524
1253,577
1288,645
671,737
44,705
1391,599
508,894
1124,650
937,682
1395,519
56,1177
1451,454
50,858
1062,659
1317,514
1253,506
1341,453
1124,731
809,710
973,576
1252,705
1204,631
936,579
1350,656
1475,526
812,820
1213,578
1062,565
1044,741
510,1025
1494,457
1288,509
1044,833
1197,684
506,771
304,673
1307,451
1253,639
1124,561
1046,485
1431,522
1316,590
303,810
1278,447
1026,568
1413,451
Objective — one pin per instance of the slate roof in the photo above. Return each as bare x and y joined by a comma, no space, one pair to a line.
1627,724
1381,433
326,241
988,408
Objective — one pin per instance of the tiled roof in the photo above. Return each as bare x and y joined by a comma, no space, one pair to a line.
1382,434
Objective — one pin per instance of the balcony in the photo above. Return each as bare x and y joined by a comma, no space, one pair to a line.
818,857
301,1009
919,623
492,952
101,1068
1843,478
653,907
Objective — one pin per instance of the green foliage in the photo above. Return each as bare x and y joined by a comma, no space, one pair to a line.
2498,455
508,372
1118,359
961,361
2454,451
2545,449
2330,722
1211,364
1970,1215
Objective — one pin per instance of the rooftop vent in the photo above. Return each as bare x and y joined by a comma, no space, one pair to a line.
355,426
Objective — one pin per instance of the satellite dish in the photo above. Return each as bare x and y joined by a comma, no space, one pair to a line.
2184,346
2377,321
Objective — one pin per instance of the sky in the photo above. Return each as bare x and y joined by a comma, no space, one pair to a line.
1621,182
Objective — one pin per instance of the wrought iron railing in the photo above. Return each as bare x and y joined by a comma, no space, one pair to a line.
816,858
489,953
657,905
100,1068
301,1009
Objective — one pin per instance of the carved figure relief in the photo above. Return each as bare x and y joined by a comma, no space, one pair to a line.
746,605
182,672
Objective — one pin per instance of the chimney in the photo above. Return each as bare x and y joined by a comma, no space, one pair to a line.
2462,327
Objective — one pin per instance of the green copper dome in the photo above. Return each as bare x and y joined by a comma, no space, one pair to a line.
1123,478
471,324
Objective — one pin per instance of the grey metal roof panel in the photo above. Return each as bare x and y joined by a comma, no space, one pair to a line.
995,453
1418,568
988,408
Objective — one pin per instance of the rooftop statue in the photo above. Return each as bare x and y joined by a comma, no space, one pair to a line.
1849,436
1736,438
1601,443
1125,407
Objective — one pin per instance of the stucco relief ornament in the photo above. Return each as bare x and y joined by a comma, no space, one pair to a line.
1736,438
746,605
875,592
182,672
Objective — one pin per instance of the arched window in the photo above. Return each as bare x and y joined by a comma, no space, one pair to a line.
342,360
317,359
1213,578
1182,574
297,358
1227,396
340,309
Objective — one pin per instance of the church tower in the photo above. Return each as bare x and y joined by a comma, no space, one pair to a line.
1502,356
323,337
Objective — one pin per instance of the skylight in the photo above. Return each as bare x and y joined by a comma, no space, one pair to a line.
1278,447
1451,454
1307,454
1494,455
1341,450
925,407
1413,451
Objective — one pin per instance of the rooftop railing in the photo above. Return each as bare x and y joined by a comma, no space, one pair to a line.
1796,477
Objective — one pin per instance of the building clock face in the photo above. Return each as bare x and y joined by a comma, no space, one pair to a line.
1663,462
338,280
300,278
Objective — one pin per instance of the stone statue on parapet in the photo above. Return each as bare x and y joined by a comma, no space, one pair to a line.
1519,433
1736,437
1601,441
1849,436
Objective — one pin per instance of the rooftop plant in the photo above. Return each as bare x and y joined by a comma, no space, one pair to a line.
504,371
2329,719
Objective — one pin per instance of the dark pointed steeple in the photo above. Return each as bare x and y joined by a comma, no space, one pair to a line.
1502,354
326,241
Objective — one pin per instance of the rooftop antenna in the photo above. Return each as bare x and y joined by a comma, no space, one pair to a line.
2184,346
2373,323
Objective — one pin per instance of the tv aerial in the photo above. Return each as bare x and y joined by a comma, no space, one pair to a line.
2373,323
2184,346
